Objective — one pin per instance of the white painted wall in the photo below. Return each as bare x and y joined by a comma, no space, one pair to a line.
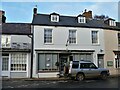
20,38
60,36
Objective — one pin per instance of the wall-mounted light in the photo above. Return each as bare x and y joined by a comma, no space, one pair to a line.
101,50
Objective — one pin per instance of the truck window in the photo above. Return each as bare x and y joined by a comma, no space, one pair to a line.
75,64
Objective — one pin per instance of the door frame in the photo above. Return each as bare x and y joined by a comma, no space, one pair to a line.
99,60
62,55
5,73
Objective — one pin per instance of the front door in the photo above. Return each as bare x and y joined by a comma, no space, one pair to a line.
5,65
63,61
100,60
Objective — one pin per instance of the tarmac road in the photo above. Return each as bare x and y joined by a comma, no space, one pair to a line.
89,83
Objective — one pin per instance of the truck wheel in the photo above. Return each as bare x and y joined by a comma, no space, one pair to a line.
104,76
80,77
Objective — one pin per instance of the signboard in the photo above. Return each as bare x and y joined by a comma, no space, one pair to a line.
109,63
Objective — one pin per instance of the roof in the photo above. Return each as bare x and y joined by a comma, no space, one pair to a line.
70,21
118,24
16,28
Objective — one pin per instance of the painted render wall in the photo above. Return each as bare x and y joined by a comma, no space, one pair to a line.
111,44
18,74
20,38
60,36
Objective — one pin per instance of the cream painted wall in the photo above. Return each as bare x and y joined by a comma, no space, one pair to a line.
111,43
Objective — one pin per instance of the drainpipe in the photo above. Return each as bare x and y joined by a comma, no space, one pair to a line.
32,43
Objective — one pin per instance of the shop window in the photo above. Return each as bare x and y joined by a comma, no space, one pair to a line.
18,62
47,62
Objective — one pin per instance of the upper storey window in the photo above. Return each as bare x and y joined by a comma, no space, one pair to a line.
112,23
81,19
6,40
54,17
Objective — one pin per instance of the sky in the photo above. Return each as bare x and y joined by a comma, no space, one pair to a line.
23,11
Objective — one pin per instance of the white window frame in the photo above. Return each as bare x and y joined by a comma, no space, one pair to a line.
45,29
95,43
72,42
4,41
54,18
81,20
112,23
24,61
7,66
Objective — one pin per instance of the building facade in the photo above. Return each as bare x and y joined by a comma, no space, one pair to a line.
61,39
15,46
41,49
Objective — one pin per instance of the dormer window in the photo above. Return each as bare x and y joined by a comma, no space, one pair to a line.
81,19
112,23
54,18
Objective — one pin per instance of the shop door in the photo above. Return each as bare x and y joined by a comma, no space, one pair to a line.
63,61
5,65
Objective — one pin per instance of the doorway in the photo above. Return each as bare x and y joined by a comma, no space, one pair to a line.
63,61
100,60
5,65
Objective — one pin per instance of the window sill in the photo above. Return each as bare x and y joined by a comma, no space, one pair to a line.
72,44
96,44
18,71
48,44
47,71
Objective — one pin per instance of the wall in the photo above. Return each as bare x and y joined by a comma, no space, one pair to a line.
18,74
20,38
60,36
111,44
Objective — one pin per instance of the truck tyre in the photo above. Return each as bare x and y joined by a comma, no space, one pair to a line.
80,77
104,76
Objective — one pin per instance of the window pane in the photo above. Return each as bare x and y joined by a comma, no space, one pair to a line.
94,37
18,62
5,40
46,62
72,36
48,36
75,65
85,65
5,63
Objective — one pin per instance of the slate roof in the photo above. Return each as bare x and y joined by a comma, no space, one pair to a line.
118,24
16,28
70,21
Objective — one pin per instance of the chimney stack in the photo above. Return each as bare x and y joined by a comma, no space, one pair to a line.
2,16
35,10
88,14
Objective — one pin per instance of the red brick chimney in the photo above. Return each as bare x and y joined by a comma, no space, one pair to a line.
88,14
